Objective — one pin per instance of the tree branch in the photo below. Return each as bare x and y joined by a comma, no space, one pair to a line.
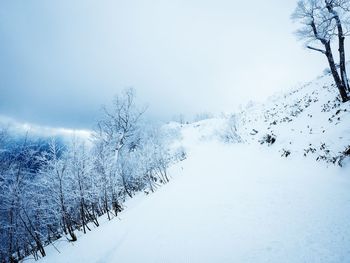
317,49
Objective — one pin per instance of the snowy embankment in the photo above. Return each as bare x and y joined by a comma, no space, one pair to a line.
241,202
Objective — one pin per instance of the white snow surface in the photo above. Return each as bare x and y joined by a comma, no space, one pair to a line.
306,117
239,202
228,203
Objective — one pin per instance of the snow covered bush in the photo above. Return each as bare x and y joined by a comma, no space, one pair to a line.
231,131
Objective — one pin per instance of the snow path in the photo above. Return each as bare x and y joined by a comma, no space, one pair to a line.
229,203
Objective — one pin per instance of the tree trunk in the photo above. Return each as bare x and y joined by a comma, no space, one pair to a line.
67,225
33,233
341,49
342,63
105,201
149,175
338,82
126,189
82,214
115,204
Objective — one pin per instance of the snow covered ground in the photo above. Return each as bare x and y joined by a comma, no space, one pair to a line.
241,202
228,203
308,120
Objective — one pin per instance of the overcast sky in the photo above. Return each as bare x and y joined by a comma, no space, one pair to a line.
60,60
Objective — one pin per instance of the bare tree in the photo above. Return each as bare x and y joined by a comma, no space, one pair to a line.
321,23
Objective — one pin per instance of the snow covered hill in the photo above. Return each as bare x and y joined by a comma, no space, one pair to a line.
309,120
242,202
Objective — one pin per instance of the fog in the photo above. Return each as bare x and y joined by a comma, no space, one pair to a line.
61,60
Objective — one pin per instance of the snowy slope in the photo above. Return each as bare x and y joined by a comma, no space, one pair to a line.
229,204
241,202
309,120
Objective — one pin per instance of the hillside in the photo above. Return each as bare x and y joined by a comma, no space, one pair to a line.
309,120
241,201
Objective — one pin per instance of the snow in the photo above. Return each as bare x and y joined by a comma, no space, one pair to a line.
228,203
240,202
305,117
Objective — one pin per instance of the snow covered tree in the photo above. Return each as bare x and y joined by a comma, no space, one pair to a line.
19,214
52,189
59,182
323,21
116,132
102,171
121,122
80,167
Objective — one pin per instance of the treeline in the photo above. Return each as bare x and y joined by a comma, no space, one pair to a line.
51,189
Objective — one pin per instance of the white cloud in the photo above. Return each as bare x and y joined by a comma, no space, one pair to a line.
42,131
